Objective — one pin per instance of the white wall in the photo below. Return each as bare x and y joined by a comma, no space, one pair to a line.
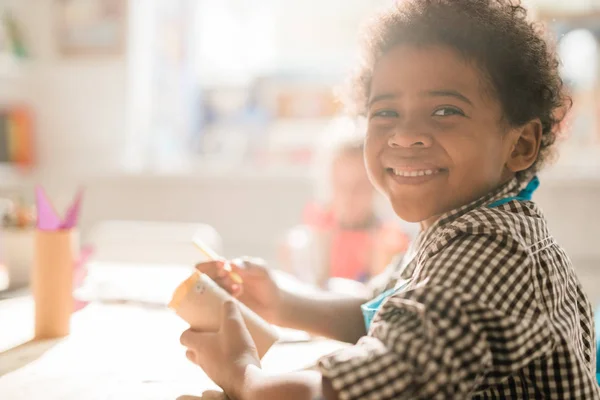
79,105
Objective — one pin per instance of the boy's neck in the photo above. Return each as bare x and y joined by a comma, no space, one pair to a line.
428,222
425,224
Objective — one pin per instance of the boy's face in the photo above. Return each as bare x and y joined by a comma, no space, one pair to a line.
435,140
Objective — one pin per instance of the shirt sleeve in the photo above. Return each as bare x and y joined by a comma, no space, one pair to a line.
473,315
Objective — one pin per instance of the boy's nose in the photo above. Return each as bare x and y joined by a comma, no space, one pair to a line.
409,137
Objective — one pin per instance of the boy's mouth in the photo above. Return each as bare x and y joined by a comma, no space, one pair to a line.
414,176
411,173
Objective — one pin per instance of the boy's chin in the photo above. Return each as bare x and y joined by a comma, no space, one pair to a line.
416,213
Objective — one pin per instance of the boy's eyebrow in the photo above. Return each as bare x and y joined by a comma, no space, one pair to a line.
381,97
438,93
450,93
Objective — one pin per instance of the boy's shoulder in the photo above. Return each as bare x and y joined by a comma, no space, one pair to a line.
521,221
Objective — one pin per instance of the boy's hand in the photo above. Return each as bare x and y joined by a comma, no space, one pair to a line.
224,355
258,291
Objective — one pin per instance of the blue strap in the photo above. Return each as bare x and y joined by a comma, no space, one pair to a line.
524,195
370,308
597,318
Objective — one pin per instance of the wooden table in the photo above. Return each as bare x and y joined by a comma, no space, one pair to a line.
116,352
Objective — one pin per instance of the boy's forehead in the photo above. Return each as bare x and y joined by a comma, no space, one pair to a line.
410,69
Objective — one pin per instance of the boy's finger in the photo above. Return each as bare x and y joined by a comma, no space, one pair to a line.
237,290
190,338
233,274
246,266
229,285
186,338
191,355
213,268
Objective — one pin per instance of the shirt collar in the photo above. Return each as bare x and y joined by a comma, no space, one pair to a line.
508,189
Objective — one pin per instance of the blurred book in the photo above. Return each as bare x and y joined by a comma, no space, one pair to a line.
16,136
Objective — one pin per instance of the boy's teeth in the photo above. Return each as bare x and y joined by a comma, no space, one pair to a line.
422,172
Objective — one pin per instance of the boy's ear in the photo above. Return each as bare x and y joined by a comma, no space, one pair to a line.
526,146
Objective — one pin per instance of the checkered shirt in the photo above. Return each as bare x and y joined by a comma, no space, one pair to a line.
493,310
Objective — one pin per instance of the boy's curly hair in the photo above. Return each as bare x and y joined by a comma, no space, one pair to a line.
520,67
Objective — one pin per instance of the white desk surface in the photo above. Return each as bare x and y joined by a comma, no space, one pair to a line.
116,352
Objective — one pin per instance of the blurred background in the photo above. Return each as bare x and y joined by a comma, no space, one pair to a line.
180,116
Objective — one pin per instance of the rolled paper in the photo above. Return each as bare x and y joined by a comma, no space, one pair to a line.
52,281
198,300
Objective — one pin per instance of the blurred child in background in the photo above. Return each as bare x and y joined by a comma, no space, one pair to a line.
342,234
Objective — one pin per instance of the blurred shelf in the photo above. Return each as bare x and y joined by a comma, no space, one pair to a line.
12,67
13,177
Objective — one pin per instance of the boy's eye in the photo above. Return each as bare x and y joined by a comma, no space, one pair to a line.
447,111
385,114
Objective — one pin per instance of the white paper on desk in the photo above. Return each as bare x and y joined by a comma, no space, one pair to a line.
136,283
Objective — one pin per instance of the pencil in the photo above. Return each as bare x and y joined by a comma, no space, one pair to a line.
212,255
